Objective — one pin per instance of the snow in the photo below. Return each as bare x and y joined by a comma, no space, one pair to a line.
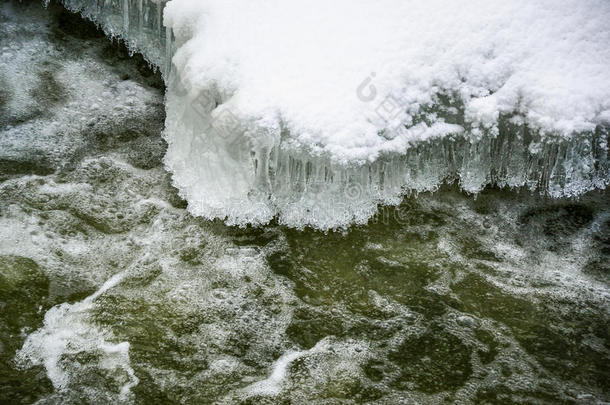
284,108
297,65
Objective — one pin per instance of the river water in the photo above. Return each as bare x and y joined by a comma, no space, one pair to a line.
110,292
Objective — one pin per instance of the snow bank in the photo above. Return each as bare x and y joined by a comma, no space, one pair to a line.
297,66
317,111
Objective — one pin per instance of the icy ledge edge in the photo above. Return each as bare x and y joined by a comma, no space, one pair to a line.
249,182
253,175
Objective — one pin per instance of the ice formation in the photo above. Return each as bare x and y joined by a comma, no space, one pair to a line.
106,281
316,112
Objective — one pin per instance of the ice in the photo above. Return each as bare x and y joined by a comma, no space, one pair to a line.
138,21
315,113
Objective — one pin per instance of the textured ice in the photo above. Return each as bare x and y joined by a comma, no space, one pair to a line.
316,112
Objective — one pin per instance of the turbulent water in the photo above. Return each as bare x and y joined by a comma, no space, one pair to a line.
111,292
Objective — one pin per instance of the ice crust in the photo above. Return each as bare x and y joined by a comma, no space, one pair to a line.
315,112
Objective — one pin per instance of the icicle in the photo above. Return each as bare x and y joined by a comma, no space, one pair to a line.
140,17
168,51
126,16
159,21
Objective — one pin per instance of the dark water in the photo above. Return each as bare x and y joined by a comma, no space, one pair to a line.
110,292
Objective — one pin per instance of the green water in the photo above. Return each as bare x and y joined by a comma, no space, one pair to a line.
110,292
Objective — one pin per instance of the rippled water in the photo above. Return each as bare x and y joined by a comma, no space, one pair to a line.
111,292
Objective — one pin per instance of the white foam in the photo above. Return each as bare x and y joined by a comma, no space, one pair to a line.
272,384
66,330
277,380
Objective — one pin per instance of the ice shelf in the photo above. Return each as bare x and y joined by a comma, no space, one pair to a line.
243,150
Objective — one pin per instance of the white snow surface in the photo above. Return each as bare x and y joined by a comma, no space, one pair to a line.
298,65
314,112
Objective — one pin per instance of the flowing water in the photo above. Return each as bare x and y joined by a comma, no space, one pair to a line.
111,292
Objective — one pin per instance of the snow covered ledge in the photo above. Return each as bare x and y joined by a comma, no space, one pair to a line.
315,112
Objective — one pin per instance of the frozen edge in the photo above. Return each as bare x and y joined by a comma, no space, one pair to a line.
302,188
139,23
